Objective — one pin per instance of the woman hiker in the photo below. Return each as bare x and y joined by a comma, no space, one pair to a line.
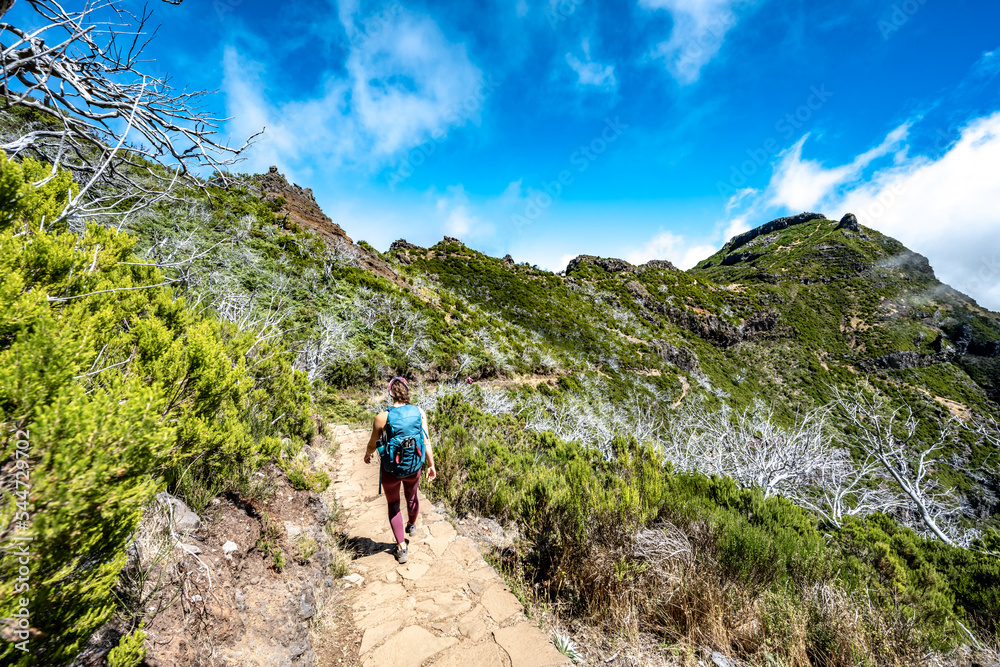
401,418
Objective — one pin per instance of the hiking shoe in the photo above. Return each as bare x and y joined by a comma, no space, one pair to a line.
400,554
411,529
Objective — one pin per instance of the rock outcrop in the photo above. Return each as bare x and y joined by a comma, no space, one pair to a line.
850,223
659,264
298,205
740,258
609,264
990,348
961,336
951,346
775,225
403,244
682,357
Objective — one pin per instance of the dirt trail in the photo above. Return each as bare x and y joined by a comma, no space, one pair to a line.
446,607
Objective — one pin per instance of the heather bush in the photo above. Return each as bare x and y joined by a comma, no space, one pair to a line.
119,390
700,559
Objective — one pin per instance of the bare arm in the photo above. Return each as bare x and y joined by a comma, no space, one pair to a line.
377,427
431,470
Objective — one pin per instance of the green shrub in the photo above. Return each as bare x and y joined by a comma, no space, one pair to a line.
120,391
130,651
573,506
305,548
269,542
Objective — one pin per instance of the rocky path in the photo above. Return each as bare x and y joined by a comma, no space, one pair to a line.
446,607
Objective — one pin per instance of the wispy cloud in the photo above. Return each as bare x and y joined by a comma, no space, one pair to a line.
802,184
403,82
407,82
590,73
700,27
457,216
323,119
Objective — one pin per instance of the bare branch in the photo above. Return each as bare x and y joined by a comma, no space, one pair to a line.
126,135
885,435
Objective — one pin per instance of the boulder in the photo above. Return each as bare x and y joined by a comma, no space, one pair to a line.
293,530
849,222
637,290
183,520
403,244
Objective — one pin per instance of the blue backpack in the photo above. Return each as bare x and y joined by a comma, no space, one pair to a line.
403,450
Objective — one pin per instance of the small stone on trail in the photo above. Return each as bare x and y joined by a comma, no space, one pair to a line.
229,547
195,598
718,659
353,579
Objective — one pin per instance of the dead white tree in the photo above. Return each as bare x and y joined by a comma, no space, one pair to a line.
464,361
843,488
589,418
367,307
127,136
405,327
330,346
886,434
496,401
750,446
414,341
989,428
493,348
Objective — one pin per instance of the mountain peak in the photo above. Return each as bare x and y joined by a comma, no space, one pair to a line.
770,227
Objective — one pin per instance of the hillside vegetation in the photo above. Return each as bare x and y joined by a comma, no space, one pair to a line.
665,442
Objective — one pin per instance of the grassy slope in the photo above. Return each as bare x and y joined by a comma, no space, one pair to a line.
839,298
874,305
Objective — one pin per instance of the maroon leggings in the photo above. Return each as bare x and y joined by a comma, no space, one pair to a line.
390,485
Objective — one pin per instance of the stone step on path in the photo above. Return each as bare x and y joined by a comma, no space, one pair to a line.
446,607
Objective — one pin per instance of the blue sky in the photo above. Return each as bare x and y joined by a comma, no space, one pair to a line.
628,128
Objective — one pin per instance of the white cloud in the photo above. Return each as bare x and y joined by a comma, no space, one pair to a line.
737,225
682,251
700,27
405,83
946,208
409,83
801,184
590,73
458,218
292,129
